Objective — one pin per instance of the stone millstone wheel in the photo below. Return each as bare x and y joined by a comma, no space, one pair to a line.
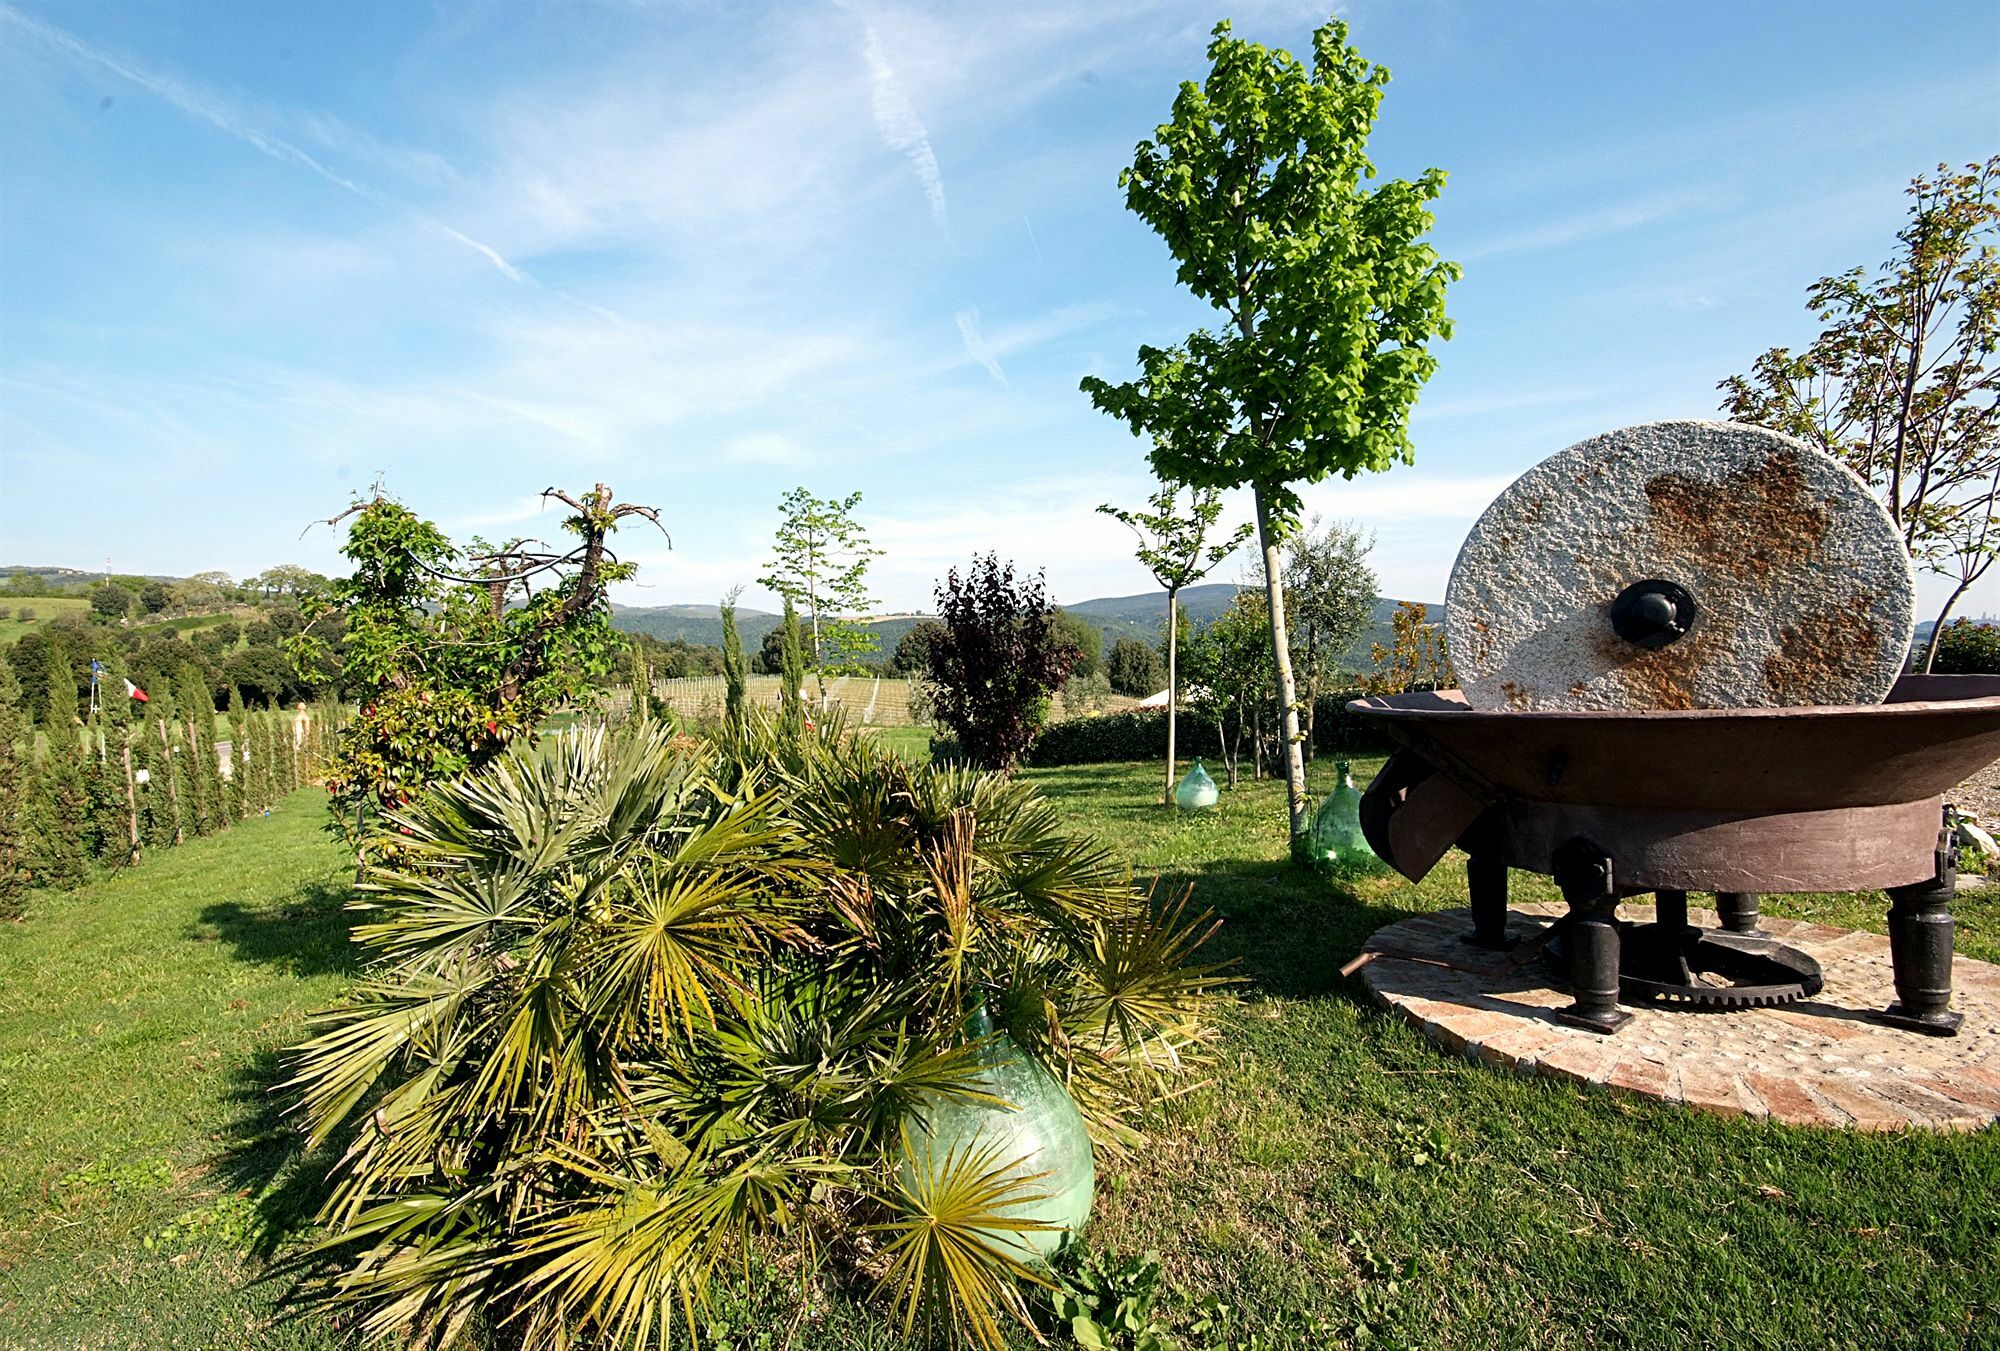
1681,565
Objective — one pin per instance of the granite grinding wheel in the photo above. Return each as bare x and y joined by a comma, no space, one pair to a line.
1680,565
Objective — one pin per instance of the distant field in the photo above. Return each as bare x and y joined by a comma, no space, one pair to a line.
868,701
46,608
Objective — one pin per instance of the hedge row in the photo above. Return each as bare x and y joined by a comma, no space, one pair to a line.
1141,734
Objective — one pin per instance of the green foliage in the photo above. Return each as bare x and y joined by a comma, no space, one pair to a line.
1105,1302
1966,648
792,671
1899,382
1075,631
912,654
1327,292
995,662
1135,668
1141,734
1231,680
155,597
638,1008
110,601
733,673
16,780
822,555
1415,659
451,667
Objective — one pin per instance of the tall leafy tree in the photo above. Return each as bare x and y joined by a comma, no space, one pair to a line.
820,564
1174,546
1327,291
1901,383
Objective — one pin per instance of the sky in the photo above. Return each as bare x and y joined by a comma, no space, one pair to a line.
254,257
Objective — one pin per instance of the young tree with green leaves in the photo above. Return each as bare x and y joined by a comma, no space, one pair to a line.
1901,383
456,652
821,566
1175,548
1328,292
1330,594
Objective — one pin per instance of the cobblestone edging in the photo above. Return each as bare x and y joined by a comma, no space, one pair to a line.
1819,1062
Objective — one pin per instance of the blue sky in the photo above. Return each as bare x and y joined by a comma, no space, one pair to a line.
252,255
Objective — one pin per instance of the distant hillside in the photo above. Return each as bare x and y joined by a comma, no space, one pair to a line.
1138,617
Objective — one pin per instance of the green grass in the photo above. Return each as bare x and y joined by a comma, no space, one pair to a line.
1337,1172
46,608
1342,1171
139,1020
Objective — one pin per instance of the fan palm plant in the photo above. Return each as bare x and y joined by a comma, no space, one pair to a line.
638,1004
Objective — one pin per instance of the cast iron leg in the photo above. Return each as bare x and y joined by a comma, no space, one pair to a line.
1920,947
1486,881
1584,873
1737,910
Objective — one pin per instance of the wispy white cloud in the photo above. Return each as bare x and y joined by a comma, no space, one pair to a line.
206,106
1592,224
902,130
975,343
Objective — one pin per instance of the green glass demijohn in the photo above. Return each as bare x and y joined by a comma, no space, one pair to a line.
1196,791
1337,843
1038,1135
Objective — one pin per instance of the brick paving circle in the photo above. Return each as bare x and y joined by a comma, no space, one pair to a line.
1819,1062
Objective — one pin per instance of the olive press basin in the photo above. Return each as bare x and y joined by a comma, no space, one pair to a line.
1739,799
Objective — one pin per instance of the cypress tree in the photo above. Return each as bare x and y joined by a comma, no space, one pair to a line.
792,712
732,666
15,783
56,817
239,742
197,707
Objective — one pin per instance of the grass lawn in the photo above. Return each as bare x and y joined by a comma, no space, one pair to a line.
45,609
1338,1179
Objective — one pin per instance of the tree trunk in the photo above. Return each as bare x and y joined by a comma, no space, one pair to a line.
131,803
1173,685
1937,629
1288,699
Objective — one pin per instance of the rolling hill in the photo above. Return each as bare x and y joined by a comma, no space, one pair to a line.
1138,617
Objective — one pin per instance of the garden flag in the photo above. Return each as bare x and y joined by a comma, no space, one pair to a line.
135,692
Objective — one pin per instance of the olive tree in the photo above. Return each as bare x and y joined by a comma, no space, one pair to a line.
1327,292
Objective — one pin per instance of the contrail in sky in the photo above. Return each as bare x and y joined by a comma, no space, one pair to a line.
200,104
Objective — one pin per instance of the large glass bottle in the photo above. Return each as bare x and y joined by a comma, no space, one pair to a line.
1337,844
1039,1134
1196,791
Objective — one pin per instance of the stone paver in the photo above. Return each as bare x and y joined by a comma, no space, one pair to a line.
1819,1062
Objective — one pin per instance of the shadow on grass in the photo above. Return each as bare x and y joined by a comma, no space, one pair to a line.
307,934
1285,930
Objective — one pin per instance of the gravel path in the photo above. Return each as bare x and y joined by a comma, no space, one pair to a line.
1979,796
